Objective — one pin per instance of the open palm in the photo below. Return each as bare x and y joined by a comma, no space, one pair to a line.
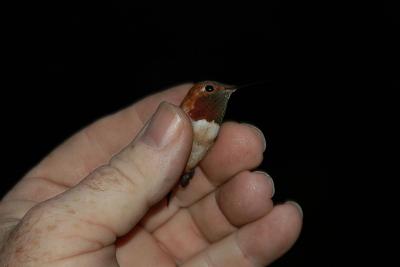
97,200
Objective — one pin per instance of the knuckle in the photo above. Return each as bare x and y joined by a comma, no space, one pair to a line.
110,178
23,242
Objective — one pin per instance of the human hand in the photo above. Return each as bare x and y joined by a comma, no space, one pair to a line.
96,199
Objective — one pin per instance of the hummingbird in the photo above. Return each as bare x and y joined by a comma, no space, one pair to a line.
205,104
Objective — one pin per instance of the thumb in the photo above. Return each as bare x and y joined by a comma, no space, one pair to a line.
112,199
120,193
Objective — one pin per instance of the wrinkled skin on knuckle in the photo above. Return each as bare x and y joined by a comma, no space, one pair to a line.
110,178
41,236
22,245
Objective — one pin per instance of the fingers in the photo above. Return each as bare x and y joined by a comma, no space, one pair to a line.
238,147
246,198
140,248
140,175
242,200
111,200
280,229
256,244
90,148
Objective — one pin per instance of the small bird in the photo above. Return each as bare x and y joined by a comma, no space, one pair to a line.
205,103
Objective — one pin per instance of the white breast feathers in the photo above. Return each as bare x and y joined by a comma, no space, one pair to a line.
204,134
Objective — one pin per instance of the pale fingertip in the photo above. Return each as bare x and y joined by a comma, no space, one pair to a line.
297,205
259,133
270,180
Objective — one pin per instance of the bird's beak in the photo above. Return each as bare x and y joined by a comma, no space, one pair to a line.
231,88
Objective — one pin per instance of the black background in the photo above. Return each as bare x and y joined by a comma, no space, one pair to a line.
70,65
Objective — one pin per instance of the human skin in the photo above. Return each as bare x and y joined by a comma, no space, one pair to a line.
97,199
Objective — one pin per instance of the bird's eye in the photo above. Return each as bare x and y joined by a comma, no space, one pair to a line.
209,88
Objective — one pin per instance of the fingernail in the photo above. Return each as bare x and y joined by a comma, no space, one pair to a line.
259,132
269,178
163,126
297,206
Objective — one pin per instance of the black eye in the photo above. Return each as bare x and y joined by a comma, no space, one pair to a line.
209,88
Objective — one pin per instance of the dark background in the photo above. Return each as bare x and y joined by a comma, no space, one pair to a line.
392,41
69,65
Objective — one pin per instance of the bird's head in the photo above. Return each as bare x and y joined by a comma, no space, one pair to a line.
207,100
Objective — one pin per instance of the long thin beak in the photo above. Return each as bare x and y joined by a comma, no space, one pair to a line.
233,88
